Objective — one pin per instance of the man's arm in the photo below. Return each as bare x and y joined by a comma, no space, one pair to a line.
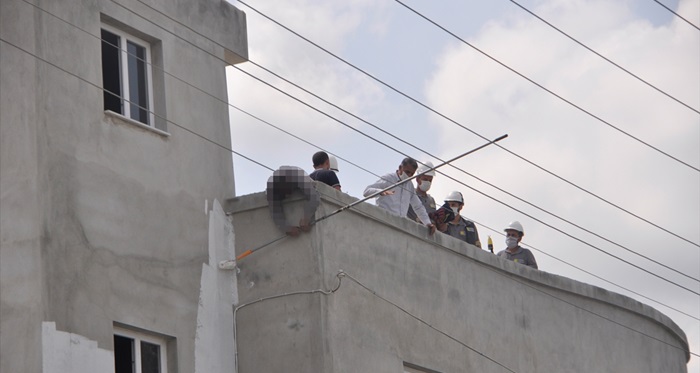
420,211
476,234
377,186
335,183
275,206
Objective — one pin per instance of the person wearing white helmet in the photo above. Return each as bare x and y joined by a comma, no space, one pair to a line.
422,186
397,200
333,163
514,234
460,228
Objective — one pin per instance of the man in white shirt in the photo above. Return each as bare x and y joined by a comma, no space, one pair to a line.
398,199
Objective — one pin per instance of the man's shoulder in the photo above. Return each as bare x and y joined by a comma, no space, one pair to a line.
326,176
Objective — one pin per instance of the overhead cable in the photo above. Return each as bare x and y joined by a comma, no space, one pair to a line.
310,106
133,103
603,57
481,224
676,14
340,275
526,283
169,121
548,90
468,129
458,181
590,273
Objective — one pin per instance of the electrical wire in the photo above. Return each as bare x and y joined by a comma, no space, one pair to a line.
547,89
590,273
420,103
658,263
539,220
206,138
676,14
419,319
481,224
169,121
588,244
603,57
133,103
339,276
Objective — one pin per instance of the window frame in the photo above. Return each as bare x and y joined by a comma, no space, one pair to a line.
137,338
125,98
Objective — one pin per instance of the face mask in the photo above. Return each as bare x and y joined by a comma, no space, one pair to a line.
403,176
511,242
424,185
455,210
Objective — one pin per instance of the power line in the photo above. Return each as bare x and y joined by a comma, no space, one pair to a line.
547,89
466,128
340,275
427,153
310,106
482,193
481,224
676,14
603,57
133,103
543,292
169,121
592,274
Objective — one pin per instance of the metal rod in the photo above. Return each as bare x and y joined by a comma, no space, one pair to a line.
230,264
407,180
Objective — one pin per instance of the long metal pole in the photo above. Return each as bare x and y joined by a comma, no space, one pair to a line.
230,264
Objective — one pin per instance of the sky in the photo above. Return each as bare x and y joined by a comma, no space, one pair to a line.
617,138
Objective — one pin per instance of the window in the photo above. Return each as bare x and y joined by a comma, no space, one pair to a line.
136,352
127,75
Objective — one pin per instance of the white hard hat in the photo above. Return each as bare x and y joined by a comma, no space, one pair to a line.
425,167
455,197
515,225
334,163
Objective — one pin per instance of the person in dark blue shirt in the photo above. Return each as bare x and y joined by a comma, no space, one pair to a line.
322,170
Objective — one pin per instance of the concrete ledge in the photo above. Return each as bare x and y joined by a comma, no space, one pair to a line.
519,273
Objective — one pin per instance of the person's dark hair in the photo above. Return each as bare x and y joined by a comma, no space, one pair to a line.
319,158
410,161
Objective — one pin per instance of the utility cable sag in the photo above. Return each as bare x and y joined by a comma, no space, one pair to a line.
399,152
428,324
133,103
487,227
420,103
603,57
169,121
677,15
591,274
547,89
453,166
460,126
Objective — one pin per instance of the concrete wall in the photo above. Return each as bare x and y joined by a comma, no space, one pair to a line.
103,221
430,301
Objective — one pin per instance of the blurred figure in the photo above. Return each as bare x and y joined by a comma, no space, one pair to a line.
459,227
398,199
514,234
283,183
322,170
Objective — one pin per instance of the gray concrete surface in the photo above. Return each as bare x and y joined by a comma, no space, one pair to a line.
430,301
103,221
